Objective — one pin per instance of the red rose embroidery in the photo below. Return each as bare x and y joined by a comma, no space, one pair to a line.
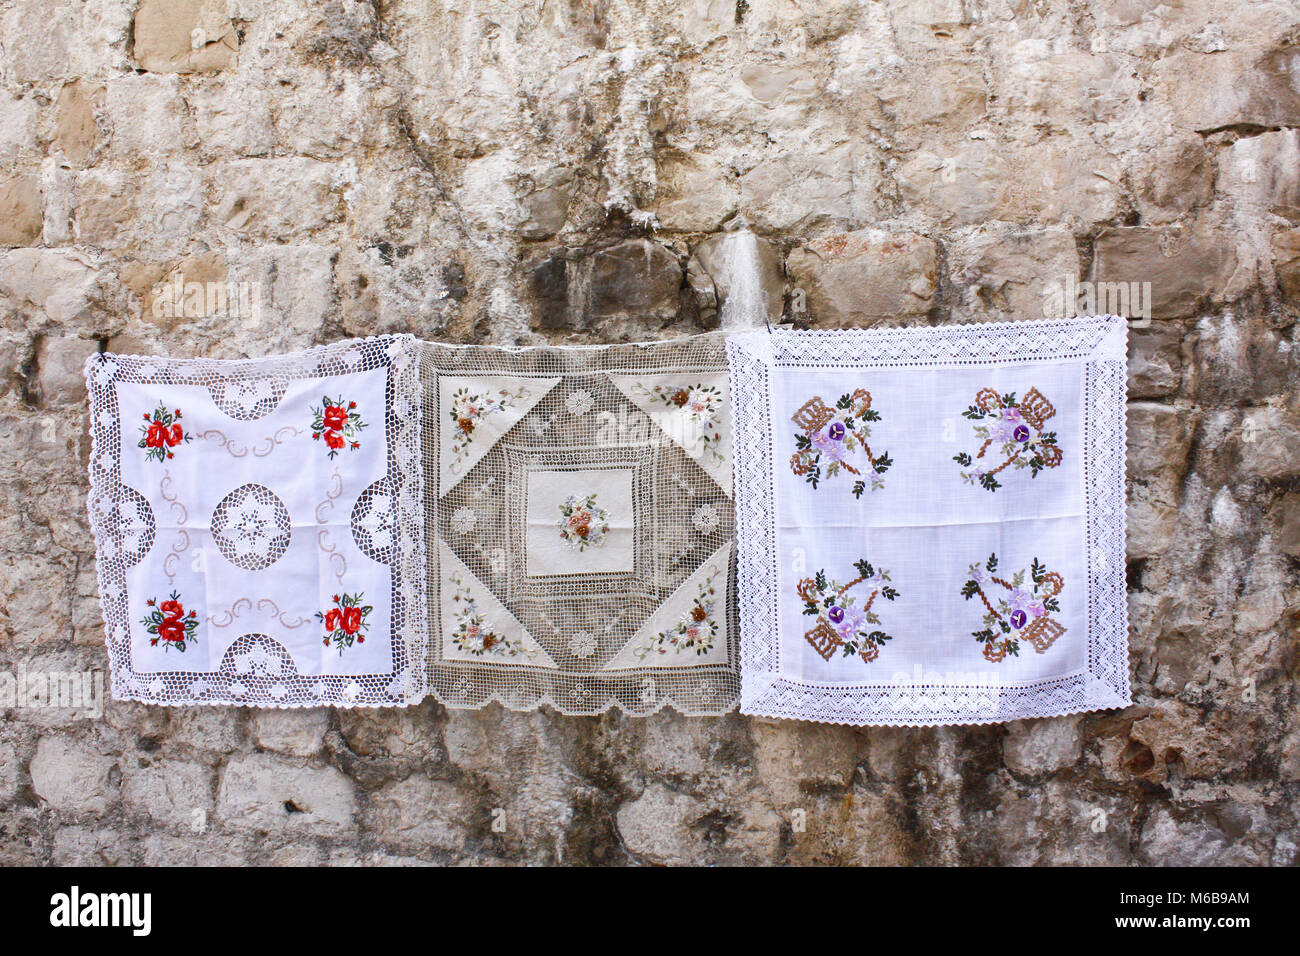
170,623
335,417
346,622
161,432
339,424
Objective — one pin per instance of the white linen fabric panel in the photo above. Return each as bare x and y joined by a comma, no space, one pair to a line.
580,527
930,521
258,526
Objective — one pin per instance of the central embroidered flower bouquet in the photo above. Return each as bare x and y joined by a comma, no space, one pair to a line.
928,524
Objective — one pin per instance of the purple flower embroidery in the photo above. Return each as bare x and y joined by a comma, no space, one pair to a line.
1018,619
836,614
1015,429
836,431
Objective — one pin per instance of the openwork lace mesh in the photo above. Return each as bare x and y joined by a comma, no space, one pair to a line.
606,620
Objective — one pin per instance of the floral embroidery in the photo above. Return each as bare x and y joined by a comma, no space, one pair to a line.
161,433
472,633
346,622
700,405
463,520
469,409
579,402
171,624
839,436
583,645
1017,430
337,424
1021,614
841,623
705,519
696,629
583,523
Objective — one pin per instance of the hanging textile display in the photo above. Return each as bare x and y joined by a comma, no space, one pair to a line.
580,526
930,521
259,526
368,522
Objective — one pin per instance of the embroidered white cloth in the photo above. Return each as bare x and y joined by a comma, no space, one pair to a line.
930,521
365,523
259,526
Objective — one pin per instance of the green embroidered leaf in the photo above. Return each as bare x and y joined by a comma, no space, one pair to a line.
864,567
969,590
992,563
858,488
962,459
1037,570
888,593
990,482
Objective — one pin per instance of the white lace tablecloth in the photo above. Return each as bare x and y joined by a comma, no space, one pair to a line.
930,521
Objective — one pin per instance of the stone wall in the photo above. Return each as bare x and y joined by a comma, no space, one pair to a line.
563,171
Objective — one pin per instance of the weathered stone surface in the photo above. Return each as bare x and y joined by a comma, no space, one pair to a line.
421,814
264,793
71,775
860,278
1034,747
1172,178
1262,174
1184,266
60,365
76,131
696,194
1240,87
184,36
176,794
21,216
300,733
1007,272
637,279
1155,360
796,194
